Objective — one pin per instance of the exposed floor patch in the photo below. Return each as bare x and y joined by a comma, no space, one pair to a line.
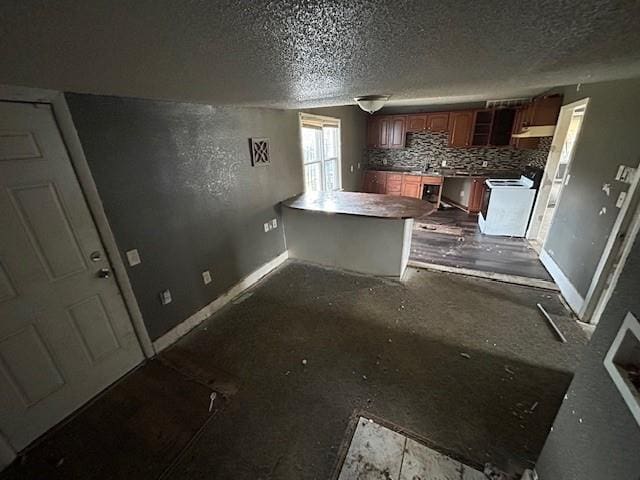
379,453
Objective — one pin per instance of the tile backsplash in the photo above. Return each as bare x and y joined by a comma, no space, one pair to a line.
424,150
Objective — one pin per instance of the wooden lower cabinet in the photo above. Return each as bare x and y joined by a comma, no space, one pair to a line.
476,195
412,186
394,184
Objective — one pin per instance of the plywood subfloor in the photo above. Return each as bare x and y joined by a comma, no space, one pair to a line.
452,238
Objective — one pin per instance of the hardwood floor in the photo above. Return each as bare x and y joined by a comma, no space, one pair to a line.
451,238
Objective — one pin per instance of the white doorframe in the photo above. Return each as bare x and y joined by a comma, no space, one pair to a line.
600,290
544,191
79,163
607,292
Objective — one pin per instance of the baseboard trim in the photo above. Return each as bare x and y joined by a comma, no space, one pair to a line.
194,320
568,291
500,277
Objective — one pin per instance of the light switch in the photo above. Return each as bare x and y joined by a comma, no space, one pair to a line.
267,226
274,223
165,297
485,163
621,198
443,163
206,277
133,257
351,168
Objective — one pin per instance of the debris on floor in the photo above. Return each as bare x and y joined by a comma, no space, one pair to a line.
465,355
552,323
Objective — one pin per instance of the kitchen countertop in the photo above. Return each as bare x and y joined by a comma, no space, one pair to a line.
361,204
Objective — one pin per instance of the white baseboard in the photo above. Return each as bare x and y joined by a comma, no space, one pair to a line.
194,320
569,292
7,454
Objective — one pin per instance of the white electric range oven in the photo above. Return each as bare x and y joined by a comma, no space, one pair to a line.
506,206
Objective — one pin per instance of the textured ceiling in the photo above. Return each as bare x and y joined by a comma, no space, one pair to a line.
313,53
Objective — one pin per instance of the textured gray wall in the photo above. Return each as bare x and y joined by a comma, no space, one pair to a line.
177,183
594,435
609,137
353,140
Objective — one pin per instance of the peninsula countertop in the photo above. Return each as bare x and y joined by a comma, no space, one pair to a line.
361,204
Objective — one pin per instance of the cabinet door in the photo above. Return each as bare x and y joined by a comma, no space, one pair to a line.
524,118
412,186
384,132
417,123
393,184
380,182
476,195
373,132
438,122
460,126
398,131
369,183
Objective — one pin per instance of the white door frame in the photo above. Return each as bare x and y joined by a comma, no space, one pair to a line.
79,163
544,191
603,282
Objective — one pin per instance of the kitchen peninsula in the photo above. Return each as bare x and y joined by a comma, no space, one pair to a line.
361,232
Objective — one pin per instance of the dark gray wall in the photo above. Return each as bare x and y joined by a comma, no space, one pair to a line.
353,140
177,183
609,137
594,435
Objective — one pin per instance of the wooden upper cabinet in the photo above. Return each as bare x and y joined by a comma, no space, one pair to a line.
541,111
398,131
460,128
437,122
373,132
428,122
416,123
384,132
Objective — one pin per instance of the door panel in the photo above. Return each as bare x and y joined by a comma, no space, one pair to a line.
40,212
65,333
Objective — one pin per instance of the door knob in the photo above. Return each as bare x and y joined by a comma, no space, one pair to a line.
104,273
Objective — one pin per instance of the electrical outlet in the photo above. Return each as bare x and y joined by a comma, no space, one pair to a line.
267,226
133,258
443,163
625,174
485,163
274,223
165,297
206,277
358,165
351,168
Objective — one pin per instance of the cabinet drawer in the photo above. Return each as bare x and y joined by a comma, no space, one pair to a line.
431,180
394,177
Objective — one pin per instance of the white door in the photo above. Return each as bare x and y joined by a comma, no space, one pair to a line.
65,333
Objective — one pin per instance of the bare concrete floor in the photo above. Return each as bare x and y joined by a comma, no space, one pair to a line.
387,349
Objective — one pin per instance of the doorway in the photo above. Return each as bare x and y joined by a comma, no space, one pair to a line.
321,153
65,333
556,173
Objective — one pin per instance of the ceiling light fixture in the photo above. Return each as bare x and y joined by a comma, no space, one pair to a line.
371,103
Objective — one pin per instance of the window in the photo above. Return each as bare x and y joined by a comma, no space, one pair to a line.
321,153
